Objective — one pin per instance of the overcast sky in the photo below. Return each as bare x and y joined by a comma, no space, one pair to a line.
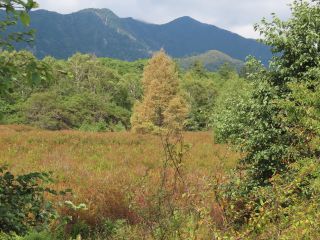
235,15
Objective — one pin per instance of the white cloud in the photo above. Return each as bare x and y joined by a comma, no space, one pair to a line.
245,30
234,15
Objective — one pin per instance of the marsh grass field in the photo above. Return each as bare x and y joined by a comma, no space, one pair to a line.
102,169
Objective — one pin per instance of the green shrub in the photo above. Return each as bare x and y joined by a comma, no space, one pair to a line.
80,228
119,127
5,236
201,94
111,228
100,126
22,202
44,235
86,111
3,108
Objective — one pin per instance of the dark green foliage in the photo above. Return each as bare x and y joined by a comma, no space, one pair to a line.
52,111
249,122
201,92
84,92
129,87
22,202
258,123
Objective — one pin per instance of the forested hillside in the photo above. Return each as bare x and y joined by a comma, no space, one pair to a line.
102,33
212,61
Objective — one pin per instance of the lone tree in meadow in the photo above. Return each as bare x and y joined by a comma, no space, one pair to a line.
162,106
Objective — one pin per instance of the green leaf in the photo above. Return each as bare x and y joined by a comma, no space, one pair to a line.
31,4
25,18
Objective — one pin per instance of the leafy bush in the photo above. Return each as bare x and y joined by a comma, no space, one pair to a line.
111,228
22,202
44,235
87,111
80,228
5,236
94,127
201,94
288,208
33,235
3,108
274,191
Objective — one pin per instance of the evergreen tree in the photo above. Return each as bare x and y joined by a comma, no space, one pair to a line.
162,106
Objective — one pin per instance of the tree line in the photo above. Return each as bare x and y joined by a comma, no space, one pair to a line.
99,94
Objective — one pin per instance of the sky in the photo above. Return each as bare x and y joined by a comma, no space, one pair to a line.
235,15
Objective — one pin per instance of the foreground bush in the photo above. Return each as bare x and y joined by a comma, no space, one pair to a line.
22,202
274,192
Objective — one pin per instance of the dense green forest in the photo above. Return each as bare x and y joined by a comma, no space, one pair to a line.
269,115
96,94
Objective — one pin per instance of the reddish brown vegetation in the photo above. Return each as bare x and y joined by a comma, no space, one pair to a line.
105,169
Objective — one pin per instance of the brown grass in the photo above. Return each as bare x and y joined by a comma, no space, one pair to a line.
102,167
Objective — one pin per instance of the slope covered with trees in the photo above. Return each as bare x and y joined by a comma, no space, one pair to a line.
212,61
101,32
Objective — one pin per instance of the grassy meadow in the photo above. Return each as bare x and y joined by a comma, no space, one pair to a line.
95,148
103,168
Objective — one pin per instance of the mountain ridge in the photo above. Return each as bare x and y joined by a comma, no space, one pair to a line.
103,33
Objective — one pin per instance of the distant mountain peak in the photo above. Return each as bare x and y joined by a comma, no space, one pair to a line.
185,20
106,15
100,11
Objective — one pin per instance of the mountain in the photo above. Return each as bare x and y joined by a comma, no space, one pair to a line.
211,60
101,32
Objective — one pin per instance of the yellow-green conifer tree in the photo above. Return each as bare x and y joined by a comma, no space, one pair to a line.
162,106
